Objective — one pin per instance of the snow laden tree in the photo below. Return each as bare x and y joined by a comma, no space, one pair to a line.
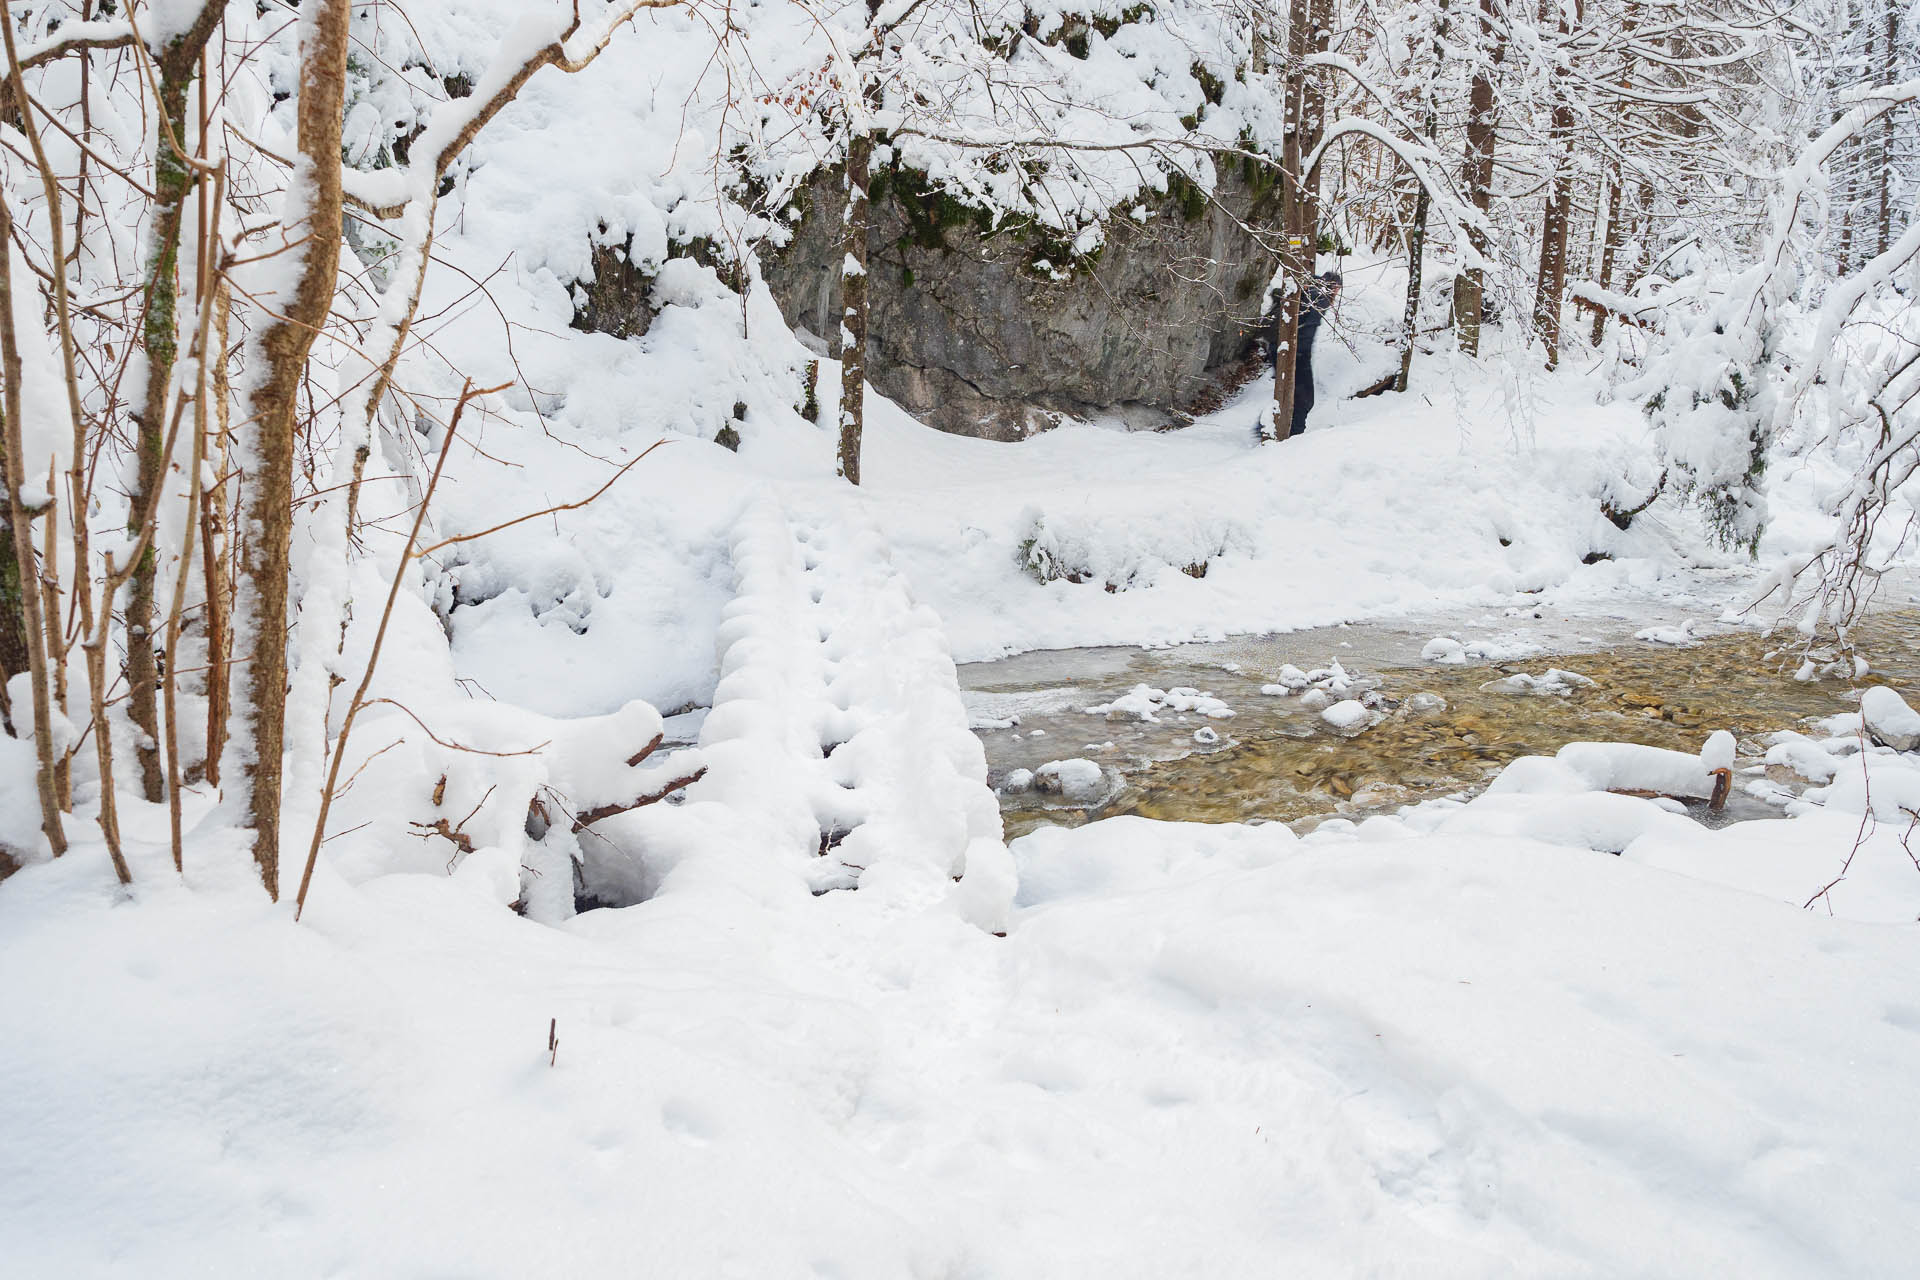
1778,345
191,367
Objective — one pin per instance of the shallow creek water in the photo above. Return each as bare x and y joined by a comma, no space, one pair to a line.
1277,759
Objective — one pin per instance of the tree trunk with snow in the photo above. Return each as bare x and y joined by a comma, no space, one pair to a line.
1470,286
853,304
1610,245
1296,250
1550,287
173,178
26,570
312,228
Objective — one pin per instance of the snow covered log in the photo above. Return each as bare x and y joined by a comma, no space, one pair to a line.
1631,769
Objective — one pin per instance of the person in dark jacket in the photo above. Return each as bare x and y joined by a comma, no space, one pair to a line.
1314,305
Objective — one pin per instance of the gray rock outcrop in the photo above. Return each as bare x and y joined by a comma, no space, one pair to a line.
994,331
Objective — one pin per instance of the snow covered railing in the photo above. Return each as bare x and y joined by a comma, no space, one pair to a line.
838,721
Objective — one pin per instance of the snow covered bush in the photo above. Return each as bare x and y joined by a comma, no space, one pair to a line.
1121,551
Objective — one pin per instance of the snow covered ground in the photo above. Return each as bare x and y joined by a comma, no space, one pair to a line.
1468,1040
1460,1043
1464,1041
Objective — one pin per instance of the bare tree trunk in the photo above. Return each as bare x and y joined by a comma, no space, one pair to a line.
1416,252
25,563
1610,246
1550,287
1470,286
313,204
1296,250
216,551
160,340
1422,204
1889,69
1313,121
853,304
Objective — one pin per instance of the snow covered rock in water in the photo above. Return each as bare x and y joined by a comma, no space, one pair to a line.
1347,715
1079,779
1275,690
1316,700
1019,782
1553,682
1678,637
1445,650
1199,703
1889,720
1425,703
1145,703
1291,677
1206,735
1803,756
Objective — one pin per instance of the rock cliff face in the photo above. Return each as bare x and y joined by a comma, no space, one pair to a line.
993,332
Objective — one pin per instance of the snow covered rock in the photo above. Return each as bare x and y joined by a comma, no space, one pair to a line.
1018,782
1677,637
1206,735
1553,682
1316,700
1802,756
1145,703
1444,650
1347,715
1079,779
1889,720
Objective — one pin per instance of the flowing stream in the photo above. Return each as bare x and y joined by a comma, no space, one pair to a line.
1431,730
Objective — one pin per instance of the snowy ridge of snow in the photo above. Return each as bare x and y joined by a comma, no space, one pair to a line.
837,731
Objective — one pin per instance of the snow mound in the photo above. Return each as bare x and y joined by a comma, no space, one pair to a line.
1121,551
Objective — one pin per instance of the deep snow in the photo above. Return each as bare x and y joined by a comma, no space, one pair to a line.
1458,1043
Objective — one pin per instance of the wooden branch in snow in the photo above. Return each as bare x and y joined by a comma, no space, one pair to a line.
587,818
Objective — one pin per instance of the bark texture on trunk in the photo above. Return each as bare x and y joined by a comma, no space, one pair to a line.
25,562
173,179
313,204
